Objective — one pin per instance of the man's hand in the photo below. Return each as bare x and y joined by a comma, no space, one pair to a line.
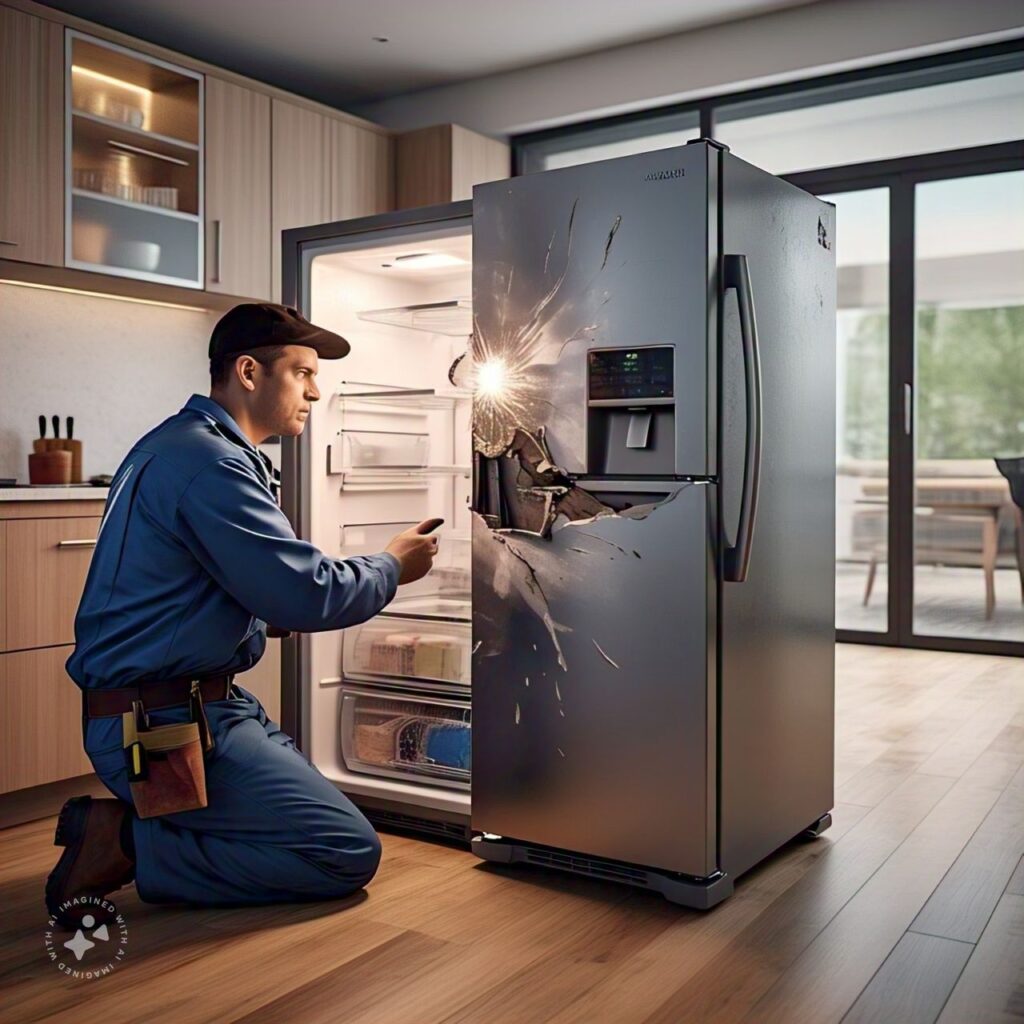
415,550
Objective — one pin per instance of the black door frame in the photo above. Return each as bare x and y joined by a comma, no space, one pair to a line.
901,177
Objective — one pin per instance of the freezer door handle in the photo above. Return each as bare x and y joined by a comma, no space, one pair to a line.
737,558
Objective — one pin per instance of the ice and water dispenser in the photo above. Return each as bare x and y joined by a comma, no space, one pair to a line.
631,411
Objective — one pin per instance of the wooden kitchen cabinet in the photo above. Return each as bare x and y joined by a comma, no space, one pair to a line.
40,720
361,172
441,164
238,256
300,176
324,169
45,566
3,586
31,139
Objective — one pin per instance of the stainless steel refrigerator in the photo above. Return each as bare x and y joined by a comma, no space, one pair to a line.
642,484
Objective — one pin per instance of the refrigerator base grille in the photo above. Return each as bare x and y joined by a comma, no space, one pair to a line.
398,822
684,890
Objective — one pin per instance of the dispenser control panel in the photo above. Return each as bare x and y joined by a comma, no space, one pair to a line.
630,376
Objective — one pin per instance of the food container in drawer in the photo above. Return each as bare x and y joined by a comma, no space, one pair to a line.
422,740
419,648
378,449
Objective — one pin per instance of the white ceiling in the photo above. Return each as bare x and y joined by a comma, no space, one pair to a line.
324,49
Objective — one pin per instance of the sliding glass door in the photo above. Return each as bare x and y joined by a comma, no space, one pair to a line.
969,408
930,400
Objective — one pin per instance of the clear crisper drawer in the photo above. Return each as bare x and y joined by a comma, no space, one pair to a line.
381,449
415,739
422,649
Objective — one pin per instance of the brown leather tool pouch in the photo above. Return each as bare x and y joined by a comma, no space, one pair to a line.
166,767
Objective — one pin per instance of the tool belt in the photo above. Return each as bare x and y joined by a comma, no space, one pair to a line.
166,763
155,696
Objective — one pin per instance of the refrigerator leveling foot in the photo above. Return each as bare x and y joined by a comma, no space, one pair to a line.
815,830
684,890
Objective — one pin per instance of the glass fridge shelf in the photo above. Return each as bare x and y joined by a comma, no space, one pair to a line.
431,607
395,395
453,318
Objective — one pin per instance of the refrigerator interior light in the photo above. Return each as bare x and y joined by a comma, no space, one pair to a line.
426,261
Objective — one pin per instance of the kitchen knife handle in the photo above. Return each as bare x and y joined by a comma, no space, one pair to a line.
42,426
736,558
56,426
71,428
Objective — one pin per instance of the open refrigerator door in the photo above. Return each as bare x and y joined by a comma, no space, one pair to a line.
390,445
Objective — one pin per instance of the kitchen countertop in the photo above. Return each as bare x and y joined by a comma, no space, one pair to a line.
55,492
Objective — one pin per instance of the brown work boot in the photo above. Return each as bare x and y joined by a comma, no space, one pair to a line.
93,862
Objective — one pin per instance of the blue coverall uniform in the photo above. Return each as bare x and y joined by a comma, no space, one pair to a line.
194,557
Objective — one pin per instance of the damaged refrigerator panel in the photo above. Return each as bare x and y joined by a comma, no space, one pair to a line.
383,708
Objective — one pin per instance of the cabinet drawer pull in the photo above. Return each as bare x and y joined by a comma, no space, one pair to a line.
7,241
85,543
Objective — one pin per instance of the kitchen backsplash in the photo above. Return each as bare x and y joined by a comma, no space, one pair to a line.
118,368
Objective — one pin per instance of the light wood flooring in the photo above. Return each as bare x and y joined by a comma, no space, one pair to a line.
910,909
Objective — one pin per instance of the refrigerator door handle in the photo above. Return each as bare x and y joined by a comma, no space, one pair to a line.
737,558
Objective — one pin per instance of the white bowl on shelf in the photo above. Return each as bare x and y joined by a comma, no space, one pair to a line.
135,255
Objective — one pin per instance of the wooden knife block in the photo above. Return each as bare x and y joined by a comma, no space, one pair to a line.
62,444
50,467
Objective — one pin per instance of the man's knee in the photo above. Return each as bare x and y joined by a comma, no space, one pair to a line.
354,856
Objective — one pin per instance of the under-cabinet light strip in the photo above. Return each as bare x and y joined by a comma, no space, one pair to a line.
104,295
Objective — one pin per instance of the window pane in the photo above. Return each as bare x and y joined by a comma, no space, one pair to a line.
969,280
604,143
862,409
929,119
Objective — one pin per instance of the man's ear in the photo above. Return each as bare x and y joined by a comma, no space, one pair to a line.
245,370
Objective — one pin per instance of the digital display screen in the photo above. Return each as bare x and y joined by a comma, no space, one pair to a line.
631,373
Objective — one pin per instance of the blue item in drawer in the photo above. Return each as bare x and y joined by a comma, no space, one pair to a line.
448,744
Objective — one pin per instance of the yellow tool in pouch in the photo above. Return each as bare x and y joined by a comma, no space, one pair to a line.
166,770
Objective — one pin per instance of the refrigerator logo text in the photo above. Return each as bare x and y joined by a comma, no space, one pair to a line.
675,172
823,239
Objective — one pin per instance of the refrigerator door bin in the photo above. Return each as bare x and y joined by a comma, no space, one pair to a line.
424,740
379,449
416,649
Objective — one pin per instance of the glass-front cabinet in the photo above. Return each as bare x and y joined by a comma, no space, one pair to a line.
133,164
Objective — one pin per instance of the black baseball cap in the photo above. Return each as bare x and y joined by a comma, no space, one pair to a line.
252,325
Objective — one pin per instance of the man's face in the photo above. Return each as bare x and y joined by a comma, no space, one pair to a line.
286,390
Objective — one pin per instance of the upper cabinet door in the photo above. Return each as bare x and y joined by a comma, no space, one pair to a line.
31,139
237,190
362,171
301,177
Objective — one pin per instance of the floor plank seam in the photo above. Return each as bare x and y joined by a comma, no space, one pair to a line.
945,938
